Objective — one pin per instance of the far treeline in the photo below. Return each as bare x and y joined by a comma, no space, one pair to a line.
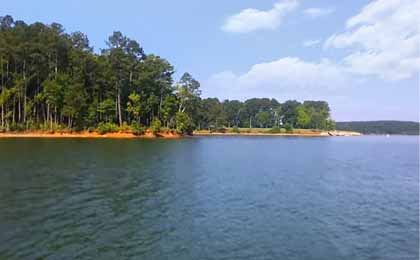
381,127
51,80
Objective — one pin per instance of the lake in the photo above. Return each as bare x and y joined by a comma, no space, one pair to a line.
210,198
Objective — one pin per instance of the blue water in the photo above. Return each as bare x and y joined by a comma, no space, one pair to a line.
210,198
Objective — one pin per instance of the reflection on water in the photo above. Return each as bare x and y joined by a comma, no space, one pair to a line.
210,198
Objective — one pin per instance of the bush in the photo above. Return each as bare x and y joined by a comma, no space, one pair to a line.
235,130
289,128
50,128
155,126
14,127
104,128
275,130
184,124
125,128
165,130
137,129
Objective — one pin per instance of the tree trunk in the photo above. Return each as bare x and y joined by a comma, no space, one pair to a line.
2,115
48,112
55,115
56,64
14,109
119,108
24,91
19,108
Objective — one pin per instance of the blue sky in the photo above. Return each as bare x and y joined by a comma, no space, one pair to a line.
361,56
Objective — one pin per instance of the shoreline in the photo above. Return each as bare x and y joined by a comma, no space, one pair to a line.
301,134
91,135
149,135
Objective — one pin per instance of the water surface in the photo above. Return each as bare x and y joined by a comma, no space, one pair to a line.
210,198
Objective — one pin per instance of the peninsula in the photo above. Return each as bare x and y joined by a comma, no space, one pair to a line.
53,84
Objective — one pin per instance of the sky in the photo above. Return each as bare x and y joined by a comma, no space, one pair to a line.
361,56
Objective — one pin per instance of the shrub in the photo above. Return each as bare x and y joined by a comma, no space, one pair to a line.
165,130
14,127
184,124
137,129
50,128
125,128
155,126
235,130
275,130
289,128
104,128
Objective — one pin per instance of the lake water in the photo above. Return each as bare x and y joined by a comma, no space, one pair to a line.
210,198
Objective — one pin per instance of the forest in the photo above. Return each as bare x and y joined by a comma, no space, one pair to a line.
381,127
51,80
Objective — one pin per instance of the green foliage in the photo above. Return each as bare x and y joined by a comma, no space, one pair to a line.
134,105
264,119
50,127
381,127
288,127
218,130
106,127
235,130
169,107
303,119
55,79
184,124
275,130
107,109
137,129
330,125
155,126
124,128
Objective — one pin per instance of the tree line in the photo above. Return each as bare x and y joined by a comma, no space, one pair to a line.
381,127
50,79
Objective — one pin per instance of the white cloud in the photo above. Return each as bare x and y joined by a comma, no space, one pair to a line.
249,20
318,12
311,43
384,38
285,75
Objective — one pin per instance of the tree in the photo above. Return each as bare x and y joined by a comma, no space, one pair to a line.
188,92
106,109
155,126
319,112
289,109
232,110
303,119
184,123
74,103
51,76
169,108
264,119
134,106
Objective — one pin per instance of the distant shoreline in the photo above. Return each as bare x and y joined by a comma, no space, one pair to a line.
149,135
298,133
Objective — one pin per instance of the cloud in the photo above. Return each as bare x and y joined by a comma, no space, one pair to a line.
249,20
384,39
311,43
381,42
318,12
285,75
